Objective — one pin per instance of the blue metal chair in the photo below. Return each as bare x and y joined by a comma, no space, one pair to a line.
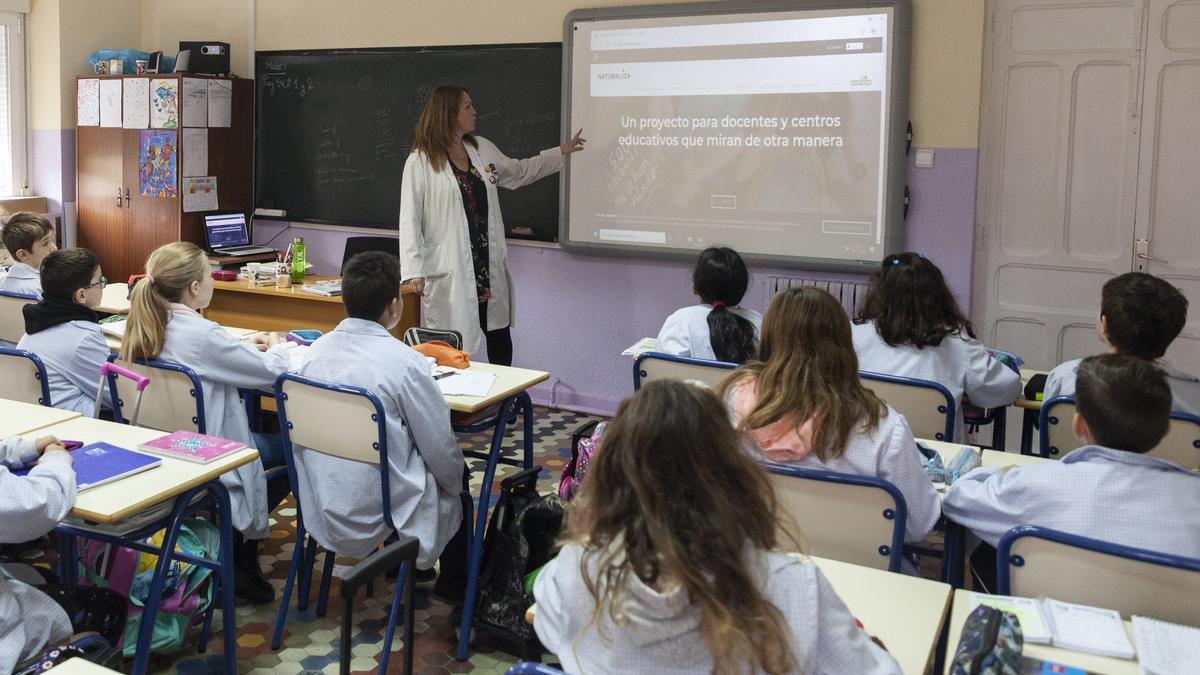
1035,561
650,366
531,668
12,318
1056,438
177,403
348,423
856,519
24,376
928,406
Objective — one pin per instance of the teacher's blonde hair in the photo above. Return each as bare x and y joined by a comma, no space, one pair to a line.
435,126
169,271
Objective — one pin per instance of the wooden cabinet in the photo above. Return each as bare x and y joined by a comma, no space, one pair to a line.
120,224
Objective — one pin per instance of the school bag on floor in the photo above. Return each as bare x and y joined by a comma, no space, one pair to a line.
521,538
584,443
187,594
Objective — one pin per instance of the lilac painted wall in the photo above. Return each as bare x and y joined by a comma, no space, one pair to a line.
53,165
576,313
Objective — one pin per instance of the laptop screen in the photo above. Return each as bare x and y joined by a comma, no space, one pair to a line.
226,229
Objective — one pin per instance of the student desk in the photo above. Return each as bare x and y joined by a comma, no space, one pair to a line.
241,303
23,419
115,299
114,343
474,415
1092,663
99,509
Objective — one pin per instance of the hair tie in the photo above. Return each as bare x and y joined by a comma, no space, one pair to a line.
717,303
149,279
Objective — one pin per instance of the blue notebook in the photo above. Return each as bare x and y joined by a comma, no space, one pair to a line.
100,463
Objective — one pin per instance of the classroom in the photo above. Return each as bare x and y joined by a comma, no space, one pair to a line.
826,336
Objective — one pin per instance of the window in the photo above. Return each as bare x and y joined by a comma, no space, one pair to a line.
12,104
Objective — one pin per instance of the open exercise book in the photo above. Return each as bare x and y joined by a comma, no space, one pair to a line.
99,463
1062,624
1166,648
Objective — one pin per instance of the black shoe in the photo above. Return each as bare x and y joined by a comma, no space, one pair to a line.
450,591
249,584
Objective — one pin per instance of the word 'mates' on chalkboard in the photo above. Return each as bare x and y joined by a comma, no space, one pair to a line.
335,127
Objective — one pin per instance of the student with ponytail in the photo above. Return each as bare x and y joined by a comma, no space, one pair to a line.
165,323
717,329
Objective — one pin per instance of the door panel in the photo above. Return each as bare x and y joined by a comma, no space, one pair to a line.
103,227
1058,171
1168,187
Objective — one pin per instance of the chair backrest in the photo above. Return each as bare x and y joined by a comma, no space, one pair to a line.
1181,445
1034,561
356,245
24,376
176,400
856,519
650,366
333,419
12,320
417,335
928,406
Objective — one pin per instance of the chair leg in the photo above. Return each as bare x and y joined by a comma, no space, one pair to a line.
206,627
402,582
326,576
293,569
306,572
527,407
410,580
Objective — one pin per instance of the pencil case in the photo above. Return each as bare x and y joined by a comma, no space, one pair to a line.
303,337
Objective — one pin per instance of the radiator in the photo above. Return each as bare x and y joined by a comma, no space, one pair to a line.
849,293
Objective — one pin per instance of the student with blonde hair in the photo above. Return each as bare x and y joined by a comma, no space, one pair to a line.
670,566
165,323
802,402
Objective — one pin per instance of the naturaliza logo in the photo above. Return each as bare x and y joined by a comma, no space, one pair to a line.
864,80
623,75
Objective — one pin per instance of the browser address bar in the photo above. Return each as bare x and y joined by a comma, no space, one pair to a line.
745,33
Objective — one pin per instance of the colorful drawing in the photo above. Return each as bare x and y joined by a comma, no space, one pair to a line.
158,160
164,104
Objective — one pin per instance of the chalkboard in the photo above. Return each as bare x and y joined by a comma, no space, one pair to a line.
334,127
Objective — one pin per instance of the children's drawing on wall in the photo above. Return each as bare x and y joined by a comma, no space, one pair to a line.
158,159
164,104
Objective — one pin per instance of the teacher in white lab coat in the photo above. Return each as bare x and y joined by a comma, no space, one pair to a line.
452,247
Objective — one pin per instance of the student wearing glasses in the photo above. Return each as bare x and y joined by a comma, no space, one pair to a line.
63,331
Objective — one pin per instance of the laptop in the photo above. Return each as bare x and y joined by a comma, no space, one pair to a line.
227,235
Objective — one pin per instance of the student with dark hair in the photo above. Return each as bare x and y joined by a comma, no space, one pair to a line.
670,563
1140,315
63,331
29,238
1109,489
716,329
910,325
426,466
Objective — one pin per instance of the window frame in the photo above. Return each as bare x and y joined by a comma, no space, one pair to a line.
18,101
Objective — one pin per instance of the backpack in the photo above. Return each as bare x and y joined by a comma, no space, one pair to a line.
584,443
521,538
187,594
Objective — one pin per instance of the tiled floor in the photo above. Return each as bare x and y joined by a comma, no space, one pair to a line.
311,643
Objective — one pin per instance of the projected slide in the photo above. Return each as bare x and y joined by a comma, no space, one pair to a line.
765,132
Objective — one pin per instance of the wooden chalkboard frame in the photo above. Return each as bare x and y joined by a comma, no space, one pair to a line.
261,57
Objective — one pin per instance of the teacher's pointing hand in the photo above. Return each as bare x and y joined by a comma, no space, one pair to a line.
575,144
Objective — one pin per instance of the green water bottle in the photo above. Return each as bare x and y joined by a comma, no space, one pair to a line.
298,259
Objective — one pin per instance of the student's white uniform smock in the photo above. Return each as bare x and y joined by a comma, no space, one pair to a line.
663,634
22,279
435,242
341,499
72,353
685,333
224,363
961,364
1096,492
30,506
1185,387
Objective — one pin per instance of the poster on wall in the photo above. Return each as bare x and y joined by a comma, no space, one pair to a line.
164,104
194,146
195,102
135,111
158,158
220,103
87,103
200,194
110,103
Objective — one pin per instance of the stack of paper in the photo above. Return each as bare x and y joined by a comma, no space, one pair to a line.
640,347
1166,648
1077,627
114,328
462,383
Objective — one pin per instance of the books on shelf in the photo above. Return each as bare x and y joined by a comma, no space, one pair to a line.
327,288
191,446
1078,627
99,463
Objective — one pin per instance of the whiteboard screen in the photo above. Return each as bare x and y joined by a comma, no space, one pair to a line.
778,133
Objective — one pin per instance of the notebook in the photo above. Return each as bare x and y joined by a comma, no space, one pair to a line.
1077,627
100,463
191,446
1166,648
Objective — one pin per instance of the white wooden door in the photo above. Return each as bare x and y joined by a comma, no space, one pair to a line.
1058,171
1168,202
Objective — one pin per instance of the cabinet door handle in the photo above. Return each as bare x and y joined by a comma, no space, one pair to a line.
1151,258
126,197
118,196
